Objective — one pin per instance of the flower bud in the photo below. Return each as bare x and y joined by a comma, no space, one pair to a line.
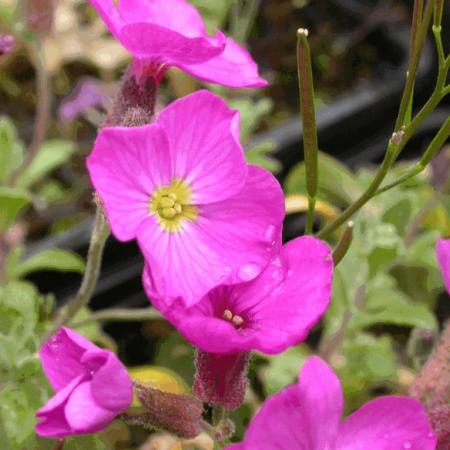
221,379
7,44
178,414
135,104
39,15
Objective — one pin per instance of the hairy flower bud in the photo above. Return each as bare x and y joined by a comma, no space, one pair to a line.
221,379
135,104
178,414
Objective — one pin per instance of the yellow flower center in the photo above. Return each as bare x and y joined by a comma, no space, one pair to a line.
171,205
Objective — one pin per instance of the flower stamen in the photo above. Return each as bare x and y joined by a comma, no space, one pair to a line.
236,320
171,205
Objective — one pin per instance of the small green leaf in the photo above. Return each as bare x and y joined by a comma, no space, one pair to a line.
87,442
337,184
261,156
11,150
51,155
54,259
283,369
12,202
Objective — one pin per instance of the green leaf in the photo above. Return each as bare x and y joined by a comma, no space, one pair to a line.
369,363
12,202
54,259
283,369
214,12
51,155
91,442
261,156
385,304
337,184
11,150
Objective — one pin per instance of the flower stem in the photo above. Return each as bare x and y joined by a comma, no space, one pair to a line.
59,444
99,236
120,315
43,92
436,144
310,147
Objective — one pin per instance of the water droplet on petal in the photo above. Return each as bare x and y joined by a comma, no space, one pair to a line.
430,435
248,272
386,435
407,444
289,272
270,233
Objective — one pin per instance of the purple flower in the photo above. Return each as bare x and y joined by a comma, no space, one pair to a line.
443,256
307,416
164,33
87,94
92,386
270,313
7,44
181,186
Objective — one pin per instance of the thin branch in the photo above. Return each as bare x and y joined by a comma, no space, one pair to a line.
120,315
43,92
99,236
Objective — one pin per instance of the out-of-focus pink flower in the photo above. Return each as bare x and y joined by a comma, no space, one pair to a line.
270,313
7,44
164,33
307,416
443,256
92,386
87,94
181,186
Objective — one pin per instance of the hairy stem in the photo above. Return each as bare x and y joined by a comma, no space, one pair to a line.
99,236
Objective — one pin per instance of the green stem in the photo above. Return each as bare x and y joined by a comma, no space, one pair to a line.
59,444
120,315
438,10
310,147
43,95
218,414
418,35
99,236
344,244
436,144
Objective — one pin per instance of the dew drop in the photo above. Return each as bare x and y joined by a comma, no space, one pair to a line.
270,233
407,444
248,272
430,435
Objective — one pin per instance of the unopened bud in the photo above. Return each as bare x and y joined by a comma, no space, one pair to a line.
221,379
225,430
397,137
7,44
178,414
135,103
39,15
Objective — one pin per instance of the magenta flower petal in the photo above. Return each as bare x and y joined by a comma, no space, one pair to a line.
92,386
233,68
277,309
307,417
163,33
230,241
52,418
84,414
387,423
182,187
443,257
203,134
125,167
161,45
61,356
178,15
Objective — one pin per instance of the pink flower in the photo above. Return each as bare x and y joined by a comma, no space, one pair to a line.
270,313
443,256
92,386
164,33
307,416
181,186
